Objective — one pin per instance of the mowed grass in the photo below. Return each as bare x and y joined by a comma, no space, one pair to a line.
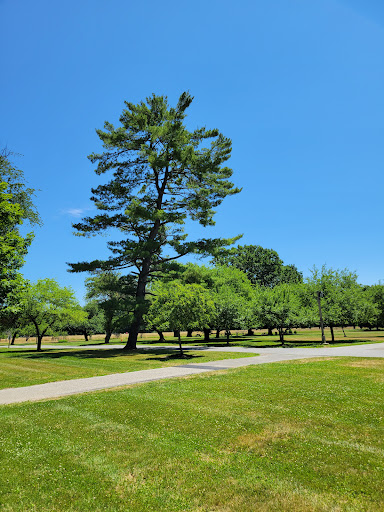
20,367
299,337
300,436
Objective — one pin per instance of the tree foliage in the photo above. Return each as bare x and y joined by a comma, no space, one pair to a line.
49,307
113,294
278,307
341,295
162,174
176,306
16,207
263,267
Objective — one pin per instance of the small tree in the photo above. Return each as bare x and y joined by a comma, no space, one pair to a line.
278,307
232,294
48,306
340,295
114,295
92,324
180,307
228,312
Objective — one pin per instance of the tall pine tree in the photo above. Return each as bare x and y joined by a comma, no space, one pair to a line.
162,174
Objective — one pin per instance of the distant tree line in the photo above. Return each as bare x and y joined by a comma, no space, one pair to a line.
212,299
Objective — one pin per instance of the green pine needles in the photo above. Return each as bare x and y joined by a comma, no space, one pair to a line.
162,174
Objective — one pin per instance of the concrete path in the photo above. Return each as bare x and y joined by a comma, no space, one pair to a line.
267,355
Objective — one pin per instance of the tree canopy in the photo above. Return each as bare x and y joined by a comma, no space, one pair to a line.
15,207
262,266
178,306
113,294
162,174
48,306
341,295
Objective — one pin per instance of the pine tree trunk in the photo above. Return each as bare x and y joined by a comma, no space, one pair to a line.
139,308
133,333
141,285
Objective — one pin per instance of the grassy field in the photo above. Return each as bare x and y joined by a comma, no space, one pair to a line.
24,367
302,436
300,337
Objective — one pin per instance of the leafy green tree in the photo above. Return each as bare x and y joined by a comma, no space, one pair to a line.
371,307
377,291
263,267
114,296
228,315
367,311
11,321
340,290
161,174
15,207
278,307
231,291
176,306
93,323
290,274
49,307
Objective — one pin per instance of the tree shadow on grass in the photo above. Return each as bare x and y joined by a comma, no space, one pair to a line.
173,357
97,354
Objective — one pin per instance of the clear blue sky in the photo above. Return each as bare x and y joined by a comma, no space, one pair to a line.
296,84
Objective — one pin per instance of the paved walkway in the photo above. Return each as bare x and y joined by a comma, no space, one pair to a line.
267,355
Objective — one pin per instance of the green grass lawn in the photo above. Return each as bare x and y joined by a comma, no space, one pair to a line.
301,337
300,436
24,367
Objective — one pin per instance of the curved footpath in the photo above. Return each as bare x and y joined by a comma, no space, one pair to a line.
267,355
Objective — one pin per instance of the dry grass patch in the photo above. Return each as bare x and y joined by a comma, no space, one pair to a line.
272,434
313,360
366,363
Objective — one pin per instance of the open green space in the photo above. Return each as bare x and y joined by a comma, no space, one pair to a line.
298,436
299,337
20,367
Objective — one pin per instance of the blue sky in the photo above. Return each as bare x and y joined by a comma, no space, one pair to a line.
296,84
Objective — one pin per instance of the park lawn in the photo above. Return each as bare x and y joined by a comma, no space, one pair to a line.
22,367
300,436
299,337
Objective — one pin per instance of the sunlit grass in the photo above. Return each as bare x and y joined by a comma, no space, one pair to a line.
300,436
300,337
21,367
